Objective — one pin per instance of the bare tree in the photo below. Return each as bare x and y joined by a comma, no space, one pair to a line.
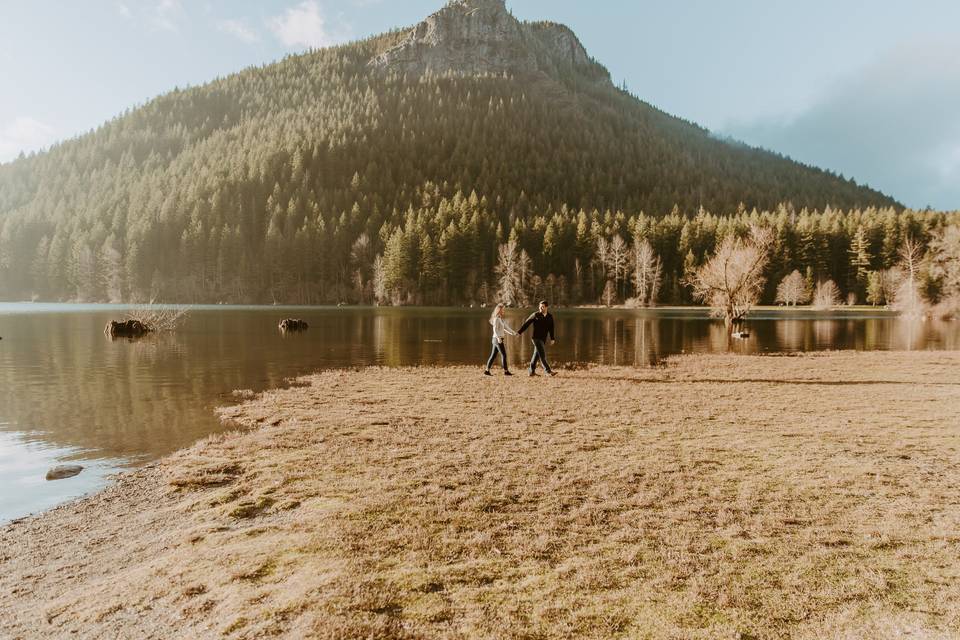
509,274
732,280
793,289
647,273
379,280
908,298
525,270
609,293
826,295
158,317
619,260
602,255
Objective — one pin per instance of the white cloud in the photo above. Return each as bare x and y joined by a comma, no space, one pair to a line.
24,134
167,14
123,9
305,25
240,30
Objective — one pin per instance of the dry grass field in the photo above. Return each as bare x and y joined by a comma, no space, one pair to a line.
714,497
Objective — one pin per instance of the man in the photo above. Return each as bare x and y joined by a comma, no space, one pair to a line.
542,323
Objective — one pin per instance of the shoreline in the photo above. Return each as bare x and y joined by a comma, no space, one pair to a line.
773,495
580,307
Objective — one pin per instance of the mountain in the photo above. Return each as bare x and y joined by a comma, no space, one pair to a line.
481,37
394,168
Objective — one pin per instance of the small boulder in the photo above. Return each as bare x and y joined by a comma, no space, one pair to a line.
62,471
293,324
742,335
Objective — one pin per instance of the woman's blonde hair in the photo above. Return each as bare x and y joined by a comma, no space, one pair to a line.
496,310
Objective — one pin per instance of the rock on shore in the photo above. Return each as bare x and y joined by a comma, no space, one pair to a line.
62,471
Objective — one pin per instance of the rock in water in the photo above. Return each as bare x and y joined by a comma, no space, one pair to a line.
293,324
126,329
62,471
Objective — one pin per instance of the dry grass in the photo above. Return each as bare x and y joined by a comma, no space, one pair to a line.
716,497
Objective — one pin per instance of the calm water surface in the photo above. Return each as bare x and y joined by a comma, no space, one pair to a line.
68,393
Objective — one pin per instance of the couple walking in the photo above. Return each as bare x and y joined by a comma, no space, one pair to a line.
542,323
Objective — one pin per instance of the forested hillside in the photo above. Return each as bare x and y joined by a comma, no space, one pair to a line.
338,175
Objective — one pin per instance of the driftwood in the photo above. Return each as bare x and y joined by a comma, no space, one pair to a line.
293,324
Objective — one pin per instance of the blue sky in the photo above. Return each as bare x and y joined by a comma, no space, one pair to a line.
867,89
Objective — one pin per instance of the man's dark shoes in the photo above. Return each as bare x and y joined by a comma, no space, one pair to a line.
551,373
487,372
532,374
507,373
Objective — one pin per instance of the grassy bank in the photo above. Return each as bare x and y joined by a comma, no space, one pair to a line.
715,497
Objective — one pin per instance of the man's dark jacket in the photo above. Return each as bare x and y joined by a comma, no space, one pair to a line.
542,325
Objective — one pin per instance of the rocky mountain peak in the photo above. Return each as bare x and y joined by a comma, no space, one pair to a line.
482,36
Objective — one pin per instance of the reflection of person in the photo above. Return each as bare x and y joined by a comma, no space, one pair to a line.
542,323
500,329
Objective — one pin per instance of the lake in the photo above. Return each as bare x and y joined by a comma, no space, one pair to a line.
70,394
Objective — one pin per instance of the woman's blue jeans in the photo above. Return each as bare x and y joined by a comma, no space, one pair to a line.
502,350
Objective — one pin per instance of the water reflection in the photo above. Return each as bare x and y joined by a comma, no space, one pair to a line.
23,465
67,391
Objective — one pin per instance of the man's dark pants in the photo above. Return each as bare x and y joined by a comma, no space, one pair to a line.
539,353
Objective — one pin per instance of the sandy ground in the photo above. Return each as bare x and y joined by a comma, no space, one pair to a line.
714,497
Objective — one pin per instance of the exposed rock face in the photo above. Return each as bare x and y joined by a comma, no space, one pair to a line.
480,36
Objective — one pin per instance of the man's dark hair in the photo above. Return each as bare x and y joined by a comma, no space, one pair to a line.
544,303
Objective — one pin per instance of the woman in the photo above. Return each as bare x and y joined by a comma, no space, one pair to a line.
500,328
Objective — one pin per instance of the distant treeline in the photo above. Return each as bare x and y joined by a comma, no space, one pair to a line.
286,182
446,251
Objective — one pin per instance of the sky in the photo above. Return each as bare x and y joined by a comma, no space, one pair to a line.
868,89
